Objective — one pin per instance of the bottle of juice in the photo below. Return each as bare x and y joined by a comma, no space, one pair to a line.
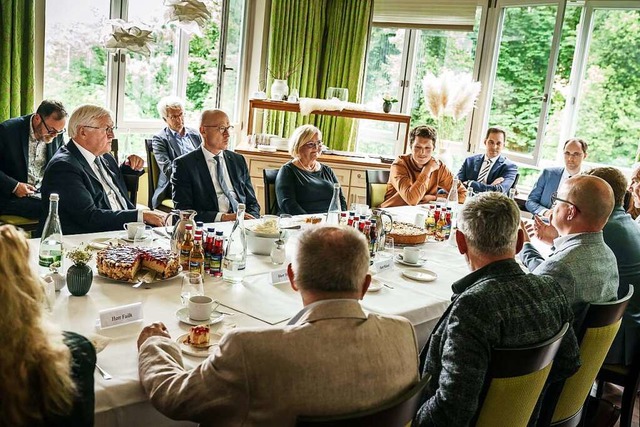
186,246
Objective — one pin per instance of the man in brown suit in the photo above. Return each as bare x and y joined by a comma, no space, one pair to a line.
331,358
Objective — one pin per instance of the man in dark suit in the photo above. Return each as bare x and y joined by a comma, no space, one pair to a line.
27,144
93,195
171,142
213,180
490,171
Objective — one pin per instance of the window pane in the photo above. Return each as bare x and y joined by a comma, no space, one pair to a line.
527,33
609,109
384,64
149,78
75,70
231,90
202,73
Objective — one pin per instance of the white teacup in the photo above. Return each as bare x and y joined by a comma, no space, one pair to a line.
411,255
132,228
200,307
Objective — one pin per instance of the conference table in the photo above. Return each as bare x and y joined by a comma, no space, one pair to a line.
121,401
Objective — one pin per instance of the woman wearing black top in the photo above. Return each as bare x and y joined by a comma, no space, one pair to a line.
304,185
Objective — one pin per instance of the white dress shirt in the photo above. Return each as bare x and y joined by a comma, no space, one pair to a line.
223,202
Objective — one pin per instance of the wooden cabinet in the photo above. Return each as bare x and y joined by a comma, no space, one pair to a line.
351,172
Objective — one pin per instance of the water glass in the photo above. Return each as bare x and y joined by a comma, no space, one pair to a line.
191,286
388,245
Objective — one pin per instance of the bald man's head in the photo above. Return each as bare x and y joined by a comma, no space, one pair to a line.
592,199
214,127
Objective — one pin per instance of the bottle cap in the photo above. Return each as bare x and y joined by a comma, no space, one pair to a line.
242,206
211,230
218,233
188,226
54,197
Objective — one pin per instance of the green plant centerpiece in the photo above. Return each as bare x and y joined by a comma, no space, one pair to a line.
387,102
79,275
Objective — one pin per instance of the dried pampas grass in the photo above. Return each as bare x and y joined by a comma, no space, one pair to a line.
450,94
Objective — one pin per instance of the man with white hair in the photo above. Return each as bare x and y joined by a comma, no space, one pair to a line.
497,305
171,142
331,358
93,195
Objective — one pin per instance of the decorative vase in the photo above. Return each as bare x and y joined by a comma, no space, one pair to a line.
279,90
57,279
79,279
386,106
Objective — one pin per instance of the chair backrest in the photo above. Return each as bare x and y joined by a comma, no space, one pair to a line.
515,183
599,328
153,170
131,181
114,149
270,200
515,380
376,187
398,412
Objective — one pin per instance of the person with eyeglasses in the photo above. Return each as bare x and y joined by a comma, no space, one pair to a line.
170,143
304,185
213,180
581,262
415,178
93,194
27,144
539,200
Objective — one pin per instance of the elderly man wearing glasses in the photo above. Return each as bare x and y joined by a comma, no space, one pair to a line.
213,180
27,144
581,261
304,185
93,194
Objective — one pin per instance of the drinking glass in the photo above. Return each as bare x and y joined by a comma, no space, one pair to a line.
191,285
285,221
388,245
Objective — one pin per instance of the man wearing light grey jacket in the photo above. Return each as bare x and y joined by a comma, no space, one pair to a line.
581,262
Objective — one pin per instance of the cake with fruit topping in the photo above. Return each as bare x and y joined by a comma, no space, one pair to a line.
404,233
199,335
124,262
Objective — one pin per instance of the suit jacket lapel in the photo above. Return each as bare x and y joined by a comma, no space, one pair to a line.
73,150
173,143
494,169
25,142
233,173
205,176
108,165
477,165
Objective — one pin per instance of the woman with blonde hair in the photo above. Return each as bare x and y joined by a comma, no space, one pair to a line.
46,376
634,189
304,185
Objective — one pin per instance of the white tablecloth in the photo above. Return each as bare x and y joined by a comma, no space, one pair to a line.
121,401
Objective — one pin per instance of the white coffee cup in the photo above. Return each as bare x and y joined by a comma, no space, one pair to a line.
411,254
420,220
132,228
200,307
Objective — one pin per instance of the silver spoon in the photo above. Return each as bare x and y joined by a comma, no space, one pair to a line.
104,373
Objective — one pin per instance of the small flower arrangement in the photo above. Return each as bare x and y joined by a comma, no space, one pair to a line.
80,255
388,99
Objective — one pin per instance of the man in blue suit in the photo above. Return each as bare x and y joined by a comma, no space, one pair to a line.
490,171
539,200
173,141
213,180
93,195
27,144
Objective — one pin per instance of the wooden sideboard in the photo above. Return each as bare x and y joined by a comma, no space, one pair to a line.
349,170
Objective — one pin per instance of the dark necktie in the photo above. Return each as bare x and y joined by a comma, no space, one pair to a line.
223,185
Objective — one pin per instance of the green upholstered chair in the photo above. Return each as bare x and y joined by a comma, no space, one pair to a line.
270,200
153,174
515,380
398,412
27,224
599,328
376,187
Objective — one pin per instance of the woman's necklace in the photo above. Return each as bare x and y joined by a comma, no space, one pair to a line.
308,168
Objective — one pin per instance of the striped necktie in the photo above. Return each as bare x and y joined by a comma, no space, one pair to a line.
484,172
223,185
107,180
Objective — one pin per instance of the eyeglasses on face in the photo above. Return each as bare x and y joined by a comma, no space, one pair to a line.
51,131
176,116
313,145
108,129
573,155
555,198
221,129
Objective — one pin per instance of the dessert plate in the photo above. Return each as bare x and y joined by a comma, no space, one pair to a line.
143,276
399,259
183,316
420,274
375,285
198,351
102,242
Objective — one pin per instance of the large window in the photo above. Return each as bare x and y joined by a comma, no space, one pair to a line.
398,60
78,69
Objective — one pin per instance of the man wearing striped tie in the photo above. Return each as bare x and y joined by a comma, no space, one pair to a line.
490,171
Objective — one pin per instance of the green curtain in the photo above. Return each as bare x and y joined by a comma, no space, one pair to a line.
17,40
330,37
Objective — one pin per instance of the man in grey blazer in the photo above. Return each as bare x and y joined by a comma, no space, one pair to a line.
171,142
581,261
331,358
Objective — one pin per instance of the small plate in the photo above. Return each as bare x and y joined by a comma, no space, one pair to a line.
375,285
126,238
183,316
101,242
198,351
400,259
420,274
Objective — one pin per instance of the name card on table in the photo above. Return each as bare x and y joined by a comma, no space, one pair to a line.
121,315
279,276
383,264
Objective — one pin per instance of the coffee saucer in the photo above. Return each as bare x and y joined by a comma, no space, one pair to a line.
400,259
183,316
421,275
